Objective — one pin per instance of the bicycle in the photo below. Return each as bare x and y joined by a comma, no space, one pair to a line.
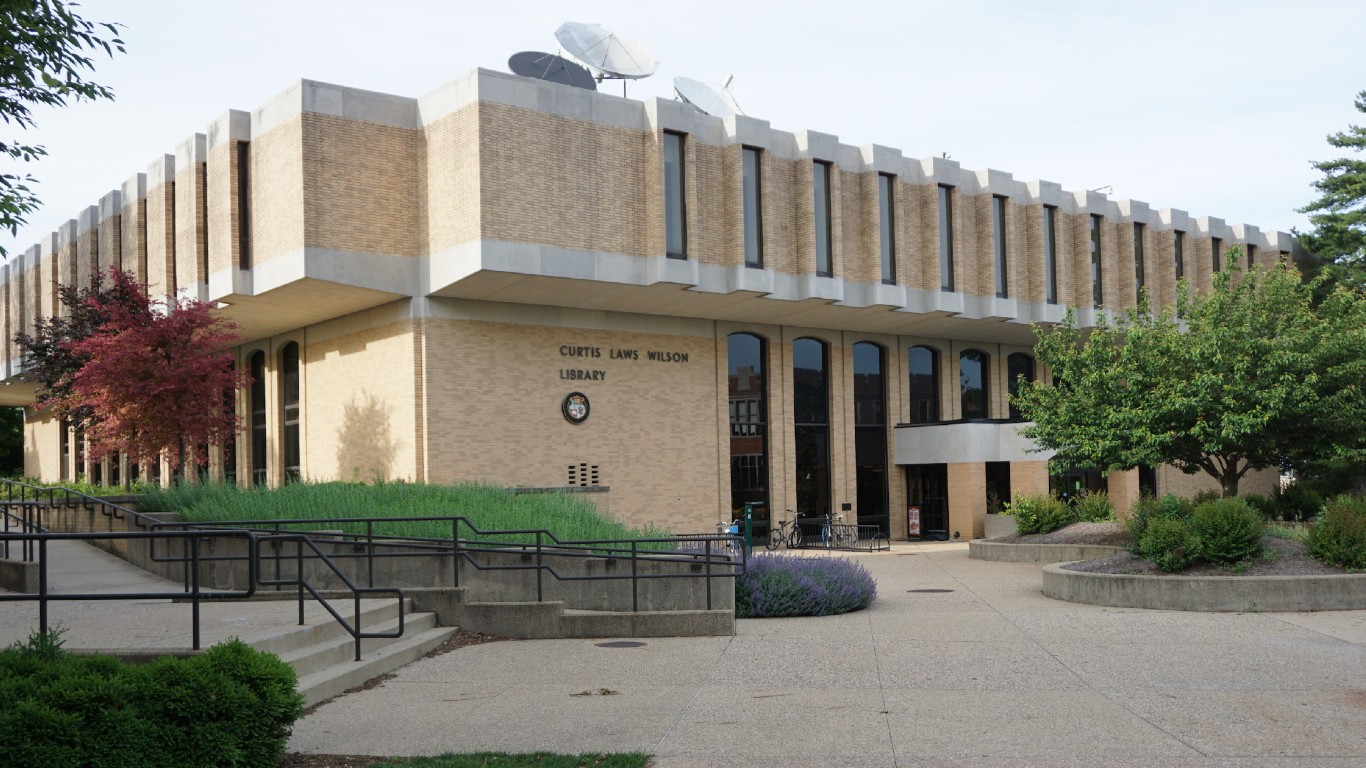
735,545
836,533
785,535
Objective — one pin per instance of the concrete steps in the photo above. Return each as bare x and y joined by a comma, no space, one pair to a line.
322,653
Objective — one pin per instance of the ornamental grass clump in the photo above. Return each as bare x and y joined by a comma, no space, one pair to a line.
1230,531
1338,536
787,585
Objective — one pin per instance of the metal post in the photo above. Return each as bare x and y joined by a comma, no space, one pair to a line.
706,551
357,619
42,585
370,558
635,582
539,572
194,597
455,551
299,575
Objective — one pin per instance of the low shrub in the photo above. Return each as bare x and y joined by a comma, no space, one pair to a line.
1040,514
1094,507
230,706
1298,502
1338,536
1148,509
1265,506
1230,530
1170,543
1204,496
787,585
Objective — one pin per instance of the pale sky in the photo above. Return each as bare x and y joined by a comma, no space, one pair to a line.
1214,108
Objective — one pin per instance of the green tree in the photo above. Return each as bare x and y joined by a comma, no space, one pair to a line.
1258,374
11,442
44,60
1339,214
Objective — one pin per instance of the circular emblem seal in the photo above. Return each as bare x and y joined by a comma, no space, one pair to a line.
575,407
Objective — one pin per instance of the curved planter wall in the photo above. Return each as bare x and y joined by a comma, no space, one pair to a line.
1345,592
1038,553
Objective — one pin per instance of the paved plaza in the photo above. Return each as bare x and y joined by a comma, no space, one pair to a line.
959,663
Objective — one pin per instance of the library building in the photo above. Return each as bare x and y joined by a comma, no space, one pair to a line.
521,282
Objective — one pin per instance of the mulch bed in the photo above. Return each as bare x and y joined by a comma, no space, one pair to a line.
1284,557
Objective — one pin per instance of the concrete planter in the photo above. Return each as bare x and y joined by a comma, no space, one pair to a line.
999,525
1344,592
1003,552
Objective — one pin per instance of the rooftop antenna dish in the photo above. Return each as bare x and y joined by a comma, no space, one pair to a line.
609,57
551,68
712,99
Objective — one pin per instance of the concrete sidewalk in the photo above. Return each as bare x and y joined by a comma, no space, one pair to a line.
979,670
985,672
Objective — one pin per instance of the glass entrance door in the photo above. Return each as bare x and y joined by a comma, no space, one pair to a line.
927,488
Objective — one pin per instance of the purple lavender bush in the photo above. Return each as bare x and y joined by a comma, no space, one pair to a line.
785,585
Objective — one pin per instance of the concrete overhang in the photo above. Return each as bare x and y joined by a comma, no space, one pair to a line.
964,441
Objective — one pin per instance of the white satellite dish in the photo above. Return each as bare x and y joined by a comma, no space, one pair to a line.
712,99
607,54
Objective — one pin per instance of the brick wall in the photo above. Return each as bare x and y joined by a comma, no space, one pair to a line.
161,235
359,191
277,192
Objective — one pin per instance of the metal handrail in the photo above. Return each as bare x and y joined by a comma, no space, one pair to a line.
44,596
73,499
714,549
300,540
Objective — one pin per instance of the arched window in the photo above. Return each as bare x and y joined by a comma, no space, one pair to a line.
258,418
1020,369
923,364
811,425
289,404
973,383
747,362
870,433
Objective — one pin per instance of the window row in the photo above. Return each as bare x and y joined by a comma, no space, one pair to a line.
822,213
811,416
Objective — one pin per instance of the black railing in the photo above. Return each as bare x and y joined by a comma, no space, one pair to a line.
715,554
45,595
61,497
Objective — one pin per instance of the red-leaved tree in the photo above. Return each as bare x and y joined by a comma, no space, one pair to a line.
154,380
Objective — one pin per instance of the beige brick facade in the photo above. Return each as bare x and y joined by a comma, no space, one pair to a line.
452,267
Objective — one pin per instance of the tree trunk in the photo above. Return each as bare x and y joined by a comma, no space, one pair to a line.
1230,483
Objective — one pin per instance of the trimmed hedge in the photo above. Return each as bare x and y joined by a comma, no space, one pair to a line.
787,585
1170,543
1338,536
230,706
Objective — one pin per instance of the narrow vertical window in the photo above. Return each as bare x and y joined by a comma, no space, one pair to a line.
1050,254
748,394
870,433
289,402
1180,255
1020,369
923,364
243,205
258,418
945,238
1097,294
820,172
886,205
998,237
675,212
811,425
1216,248
972,381
1251,256
1138,262
754,224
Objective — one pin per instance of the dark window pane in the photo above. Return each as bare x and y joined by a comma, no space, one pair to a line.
870,433
258,418
1050,254
886,227
1138,261
289,401
1020,369
746,361
972,378
924,385
945,238
1097,296
1180,254
998,229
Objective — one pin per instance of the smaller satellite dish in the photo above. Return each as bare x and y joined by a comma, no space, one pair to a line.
607,54
552,68
714,100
